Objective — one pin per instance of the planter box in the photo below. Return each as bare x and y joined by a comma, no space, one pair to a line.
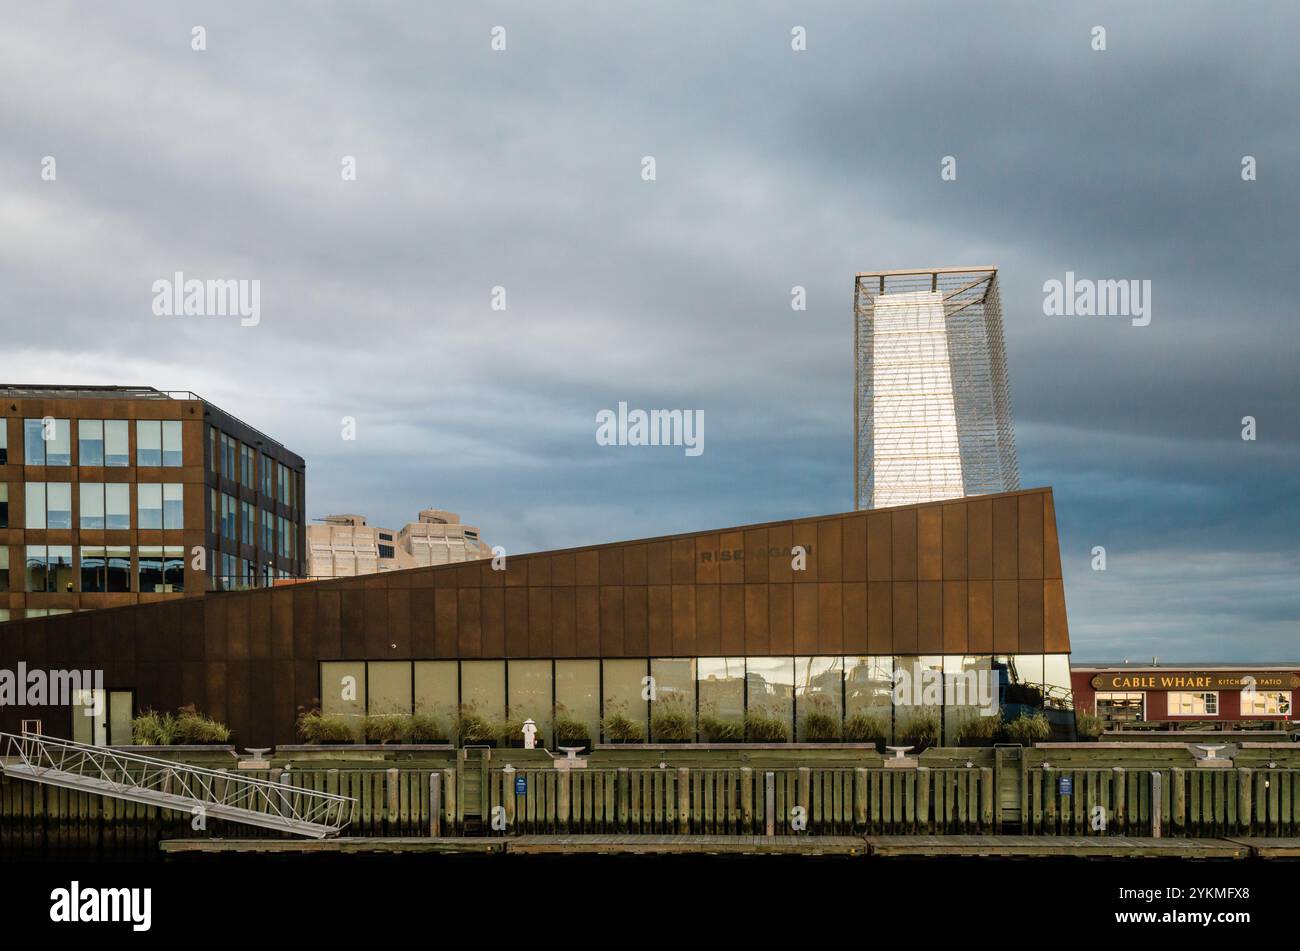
214,755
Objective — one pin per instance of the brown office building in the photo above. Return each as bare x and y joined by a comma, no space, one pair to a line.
113,495
730,625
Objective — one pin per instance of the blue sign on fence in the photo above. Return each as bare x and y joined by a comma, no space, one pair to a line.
1066,785
521,785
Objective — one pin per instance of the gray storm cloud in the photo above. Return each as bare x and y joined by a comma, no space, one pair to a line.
775,168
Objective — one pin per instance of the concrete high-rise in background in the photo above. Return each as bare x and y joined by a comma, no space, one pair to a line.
344,545
932,411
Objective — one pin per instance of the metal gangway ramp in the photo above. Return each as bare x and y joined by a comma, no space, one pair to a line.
106,771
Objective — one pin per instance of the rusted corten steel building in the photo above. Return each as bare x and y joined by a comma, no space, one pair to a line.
113,495
973,582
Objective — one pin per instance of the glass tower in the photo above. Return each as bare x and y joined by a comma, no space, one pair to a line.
932,412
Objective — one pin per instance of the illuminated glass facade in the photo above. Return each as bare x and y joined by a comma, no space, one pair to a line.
815,699
932,407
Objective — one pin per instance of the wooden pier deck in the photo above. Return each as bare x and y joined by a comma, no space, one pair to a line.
880,846
1041,846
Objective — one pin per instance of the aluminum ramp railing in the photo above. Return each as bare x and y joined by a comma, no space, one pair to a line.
107,771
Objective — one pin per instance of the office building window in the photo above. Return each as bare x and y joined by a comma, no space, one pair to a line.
47,442
105,505
49,568
173,505
90,442
386,551
214,452
93,568
58,501
268,476
161,569
246,456
285,489
4,441
92,506
161,504
249,534
1265,703
172,452
106,569
230,516
48,505
4,567
268,532
231,466
33,443
148,442
1193,703
149,505
117,446
158,442
4,501
58,451
117,506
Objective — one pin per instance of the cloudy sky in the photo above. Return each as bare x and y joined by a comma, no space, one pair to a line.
522,169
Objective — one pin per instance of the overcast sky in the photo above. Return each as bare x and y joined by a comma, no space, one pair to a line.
522,169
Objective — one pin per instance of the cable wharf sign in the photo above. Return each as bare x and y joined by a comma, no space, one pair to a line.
1195,680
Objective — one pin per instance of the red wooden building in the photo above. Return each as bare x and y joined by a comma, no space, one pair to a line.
1227,694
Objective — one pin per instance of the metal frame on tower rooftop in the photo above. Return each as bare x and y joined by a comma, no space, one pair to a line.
977,359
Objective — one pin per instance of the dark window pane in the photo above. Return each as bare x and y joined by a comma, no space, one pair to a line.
151,569
174,568
119,569
38,576
92,569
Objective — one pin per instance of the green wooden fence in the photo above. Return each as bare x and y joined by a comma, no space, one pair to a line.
1038,792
